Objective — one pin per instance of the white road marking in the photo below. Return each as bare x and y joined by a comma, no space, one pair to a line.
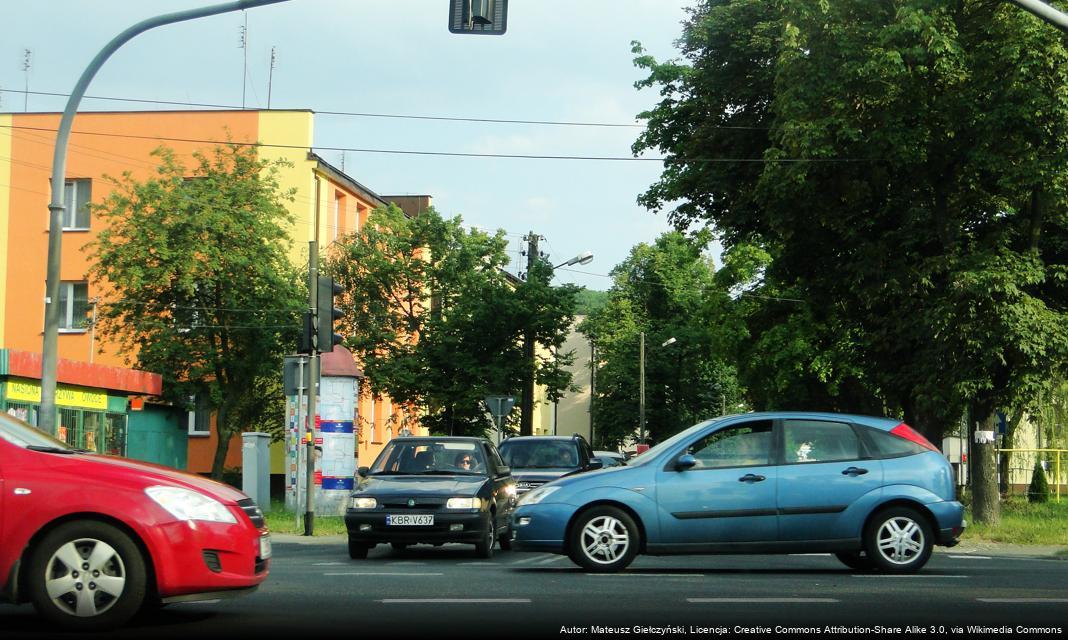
528,559
971,557
760,600
1021,600
328,564
552,559
455,601
810,554
478,564
404,563
651,575
380,573
909,575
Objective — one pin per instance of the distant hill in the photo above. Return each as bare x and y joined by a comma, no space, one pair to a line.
590,301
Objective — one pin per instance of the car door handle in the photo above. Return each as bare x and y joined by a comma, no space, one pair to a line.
749,477
854,471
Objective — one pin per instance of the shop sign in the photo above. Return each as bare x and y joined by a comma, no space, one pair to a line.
30,391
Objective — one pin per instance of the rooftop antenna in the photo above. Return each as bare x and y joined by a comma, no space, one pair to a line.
342,162
27,64
270,77
244,65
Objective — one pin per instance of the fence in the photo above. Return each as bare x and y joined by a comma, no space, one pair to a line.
1018,468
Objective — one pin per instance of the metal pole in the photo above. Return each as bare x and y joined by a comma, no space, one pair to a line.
1044,11
641,389
313,384
59,172
526,409
593,387
299,428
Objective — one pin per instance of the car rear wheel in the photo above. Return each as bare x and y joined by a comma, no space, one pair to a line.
603,540
357,550
898,540
856,560
484,548
87,576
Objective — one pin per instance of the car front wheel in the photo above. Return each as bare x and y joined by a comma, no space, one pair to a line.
484,549
898,540
604,540
87,576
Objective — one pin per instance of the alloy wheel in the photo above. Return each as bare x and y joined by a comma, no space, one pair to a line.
900,540
604,539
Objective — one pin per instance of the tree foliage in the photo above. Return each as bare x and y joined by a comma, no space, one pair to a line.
435,320
901,163
666,290
197,284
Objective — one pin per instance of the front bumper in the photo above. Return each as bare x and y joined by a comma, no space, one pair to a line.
370,527
207,557
541,527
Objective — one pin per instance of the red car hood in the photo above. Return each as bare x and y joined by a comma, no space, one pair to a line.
154,474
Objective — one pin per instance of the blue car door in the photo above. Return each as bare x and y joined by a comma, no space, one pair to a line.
728,496
825,471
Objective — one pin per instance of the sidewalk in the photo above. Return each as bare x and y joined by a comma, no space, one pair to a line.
967,547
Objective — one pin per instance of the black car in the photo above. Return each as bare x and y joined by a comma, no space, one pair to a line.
535,460
432,490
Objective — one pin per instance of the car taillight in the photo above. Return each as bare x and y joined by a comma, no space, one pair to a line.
904,431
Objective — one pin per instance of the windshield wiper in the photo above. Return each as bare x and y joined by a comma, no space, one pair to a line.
37,447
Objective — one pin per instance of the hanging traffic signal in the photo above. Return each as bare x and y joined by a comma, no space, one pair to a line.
327,314
304,340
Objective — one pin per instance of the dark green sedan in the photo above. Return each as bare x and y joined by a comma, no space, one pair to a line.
432,490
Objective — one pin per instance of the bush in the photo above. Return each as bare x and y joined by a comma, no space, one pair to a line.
1038,491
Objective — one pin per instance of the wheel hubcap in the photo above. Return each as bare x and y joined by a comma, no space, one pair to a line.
92,590
900,540
605,539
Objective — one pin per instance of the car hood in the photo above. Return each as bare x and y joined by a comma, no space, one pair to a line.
414,486
149,474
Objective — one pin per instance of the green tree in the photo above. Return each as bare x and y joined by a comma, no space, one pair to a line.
437,322
668,290
197,282
908,188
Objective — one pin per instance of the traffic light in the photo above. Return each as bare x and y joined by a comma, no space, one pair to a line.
327,314
304,341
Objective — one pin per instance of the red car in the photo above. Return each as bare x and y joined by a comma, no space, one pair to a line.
90,539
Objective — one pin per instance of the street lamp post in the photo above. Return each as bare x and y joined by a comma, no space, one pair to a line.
526,407
641,383
47,418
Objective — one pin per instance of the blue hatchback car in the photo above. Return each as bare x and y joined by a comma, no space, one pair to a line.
870,490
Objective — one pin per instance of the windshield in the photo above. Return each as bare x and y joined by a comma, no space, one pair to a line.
643,458
539,454
24,435
430,457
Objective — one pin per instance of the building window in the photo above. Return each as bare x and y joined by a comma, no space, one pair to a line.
73,306
199,419
76,195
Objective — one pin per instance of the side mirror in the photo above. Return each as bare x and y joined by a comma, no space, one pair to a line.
362,472
594,465
685,461
504,471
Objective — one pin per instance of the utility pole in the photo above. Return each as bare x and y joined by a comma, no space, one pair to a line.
27,64
270,78
244,62
526,408
641,388
593,387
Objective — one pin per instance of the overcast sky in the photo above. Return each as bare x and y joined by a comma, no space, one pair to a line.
560,60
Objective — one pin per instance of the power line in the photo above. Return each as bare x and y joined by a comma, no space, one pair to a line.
454,154
364,114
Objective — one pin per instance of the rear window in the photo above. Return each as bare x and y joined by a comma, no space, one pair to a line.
540,454
887,445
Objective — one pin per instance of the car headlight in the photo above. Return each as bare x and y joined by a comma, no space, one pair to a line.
509,490
186,504
364,503
463,503
537,495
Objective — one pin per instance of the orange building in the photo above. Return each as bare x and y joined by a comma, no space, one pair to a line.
328,204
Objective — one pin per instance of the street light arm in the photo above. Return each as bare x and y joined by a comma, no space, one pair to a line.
1044,11
59,171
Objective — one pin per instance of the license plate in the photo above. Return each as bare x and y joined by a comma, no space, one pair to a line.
407,520
265,547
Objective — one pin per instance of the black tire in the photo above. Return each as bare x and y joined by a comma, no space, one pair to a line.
399,547
484,548
857,560
505,540
108,586
898,540
358,550
594,529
